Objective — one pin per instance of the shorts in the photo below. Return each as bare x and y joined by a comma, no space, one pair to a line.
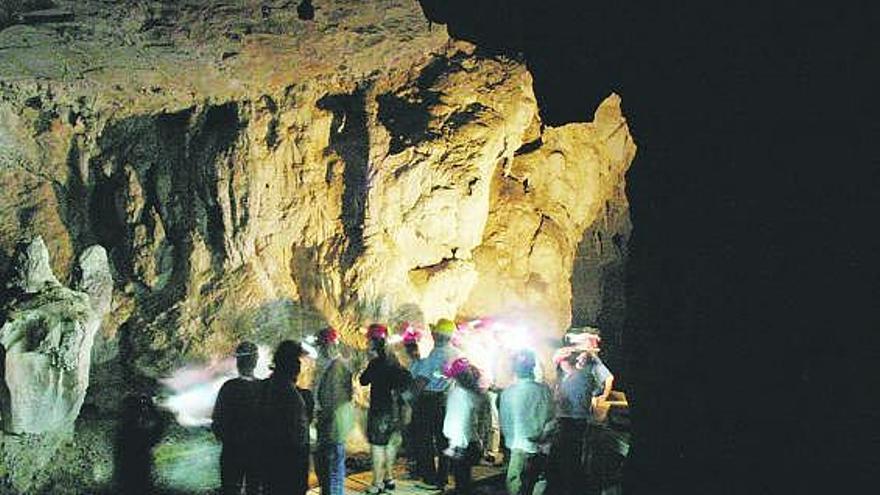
381,425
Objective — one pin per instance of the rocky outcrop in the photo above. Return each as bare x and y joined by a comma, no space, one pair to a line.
276,192
255,175
47,339
554,188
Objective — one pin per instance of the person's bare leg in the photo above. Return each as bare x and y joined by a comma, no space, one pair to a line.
391,456
378,453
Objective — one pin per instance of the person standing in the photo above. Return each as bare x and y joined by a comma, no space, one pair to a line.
412,434
233,422
430,407
283,445
386,379
499,377
579,387
461,423
335,413
141,426
527,424
600,382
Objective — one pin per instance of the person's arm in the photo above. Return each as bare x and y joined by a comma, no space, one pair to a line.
366,377
504,413
217,416
309,402
609,382
605,378
549,426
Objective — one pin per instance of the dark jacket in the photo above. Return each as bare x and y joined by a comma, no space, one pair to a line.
385,377
283,441
233,417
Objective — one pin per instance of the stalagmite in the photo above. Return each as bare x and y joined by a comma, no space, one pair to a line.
47,339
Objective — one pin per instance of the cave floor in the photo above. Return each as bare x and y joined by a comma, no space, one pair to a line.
188,464
487,480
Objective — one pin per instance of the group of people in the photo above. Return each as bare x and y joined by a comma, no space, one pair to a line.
438,406
264,424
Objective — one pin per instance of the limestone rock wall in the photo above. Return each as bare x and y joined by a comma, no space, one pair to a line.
253,175
432,191
545,197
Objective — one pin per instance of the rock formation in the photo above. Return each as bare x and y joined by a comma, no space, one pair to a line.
252,174
47,339
255,175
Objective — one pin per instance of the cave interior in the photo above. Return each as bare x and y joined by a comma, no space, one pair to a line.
740,250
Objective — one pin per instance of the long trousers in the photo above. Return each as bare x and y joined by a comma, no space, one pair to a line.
566,473
492,441
461,469
237,470
523,471
330,468
428,439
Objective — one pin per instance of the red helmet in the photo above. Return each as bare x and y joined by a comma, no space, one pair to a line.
377,331
409,333
456,367
327,335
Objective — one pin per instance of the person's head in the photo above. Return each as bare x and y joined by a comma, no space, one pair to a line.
464,373
524,364
286,360
328,341
410,336
565,360
442,331
377,335
246,358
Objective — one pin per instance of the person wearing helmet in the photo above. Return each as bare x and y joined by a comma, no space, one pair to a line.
461,424
233,423
582,379
334,412
386,379
433,467
410,336
411,433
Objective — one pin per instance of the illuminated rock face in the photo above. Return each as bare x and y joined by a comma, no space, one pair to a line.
261,196
432,194
47,339
543,201
253,175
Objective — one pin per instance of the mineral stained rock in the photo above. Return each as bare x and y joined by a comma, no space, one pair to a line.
254,175
47,339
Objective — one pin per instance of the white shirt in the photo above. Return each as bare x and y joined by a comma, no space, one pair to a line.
460,423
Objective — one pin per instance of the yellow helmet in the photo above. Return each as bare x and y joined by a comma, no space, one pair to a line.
444,327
